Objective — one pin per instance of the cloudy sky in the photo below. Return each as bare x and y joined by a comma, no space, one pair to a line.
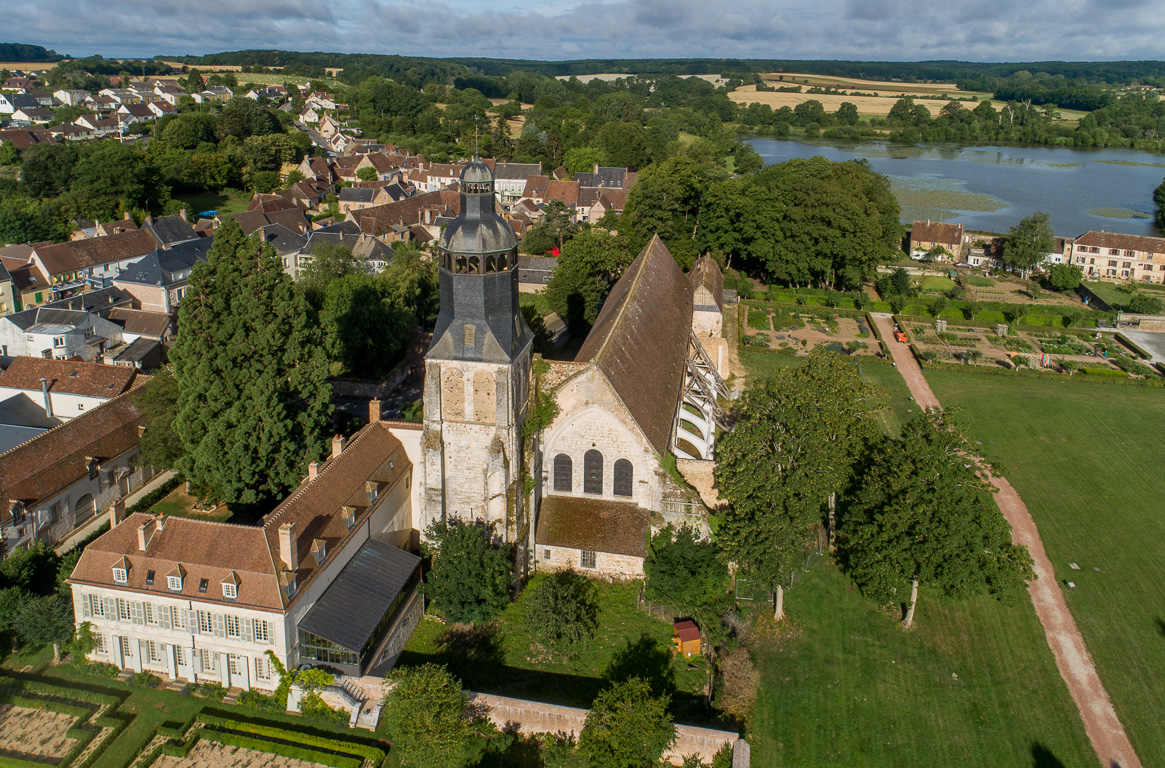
970,30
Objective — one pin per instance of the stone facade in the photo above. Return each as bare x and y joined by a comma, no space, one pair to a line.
606,564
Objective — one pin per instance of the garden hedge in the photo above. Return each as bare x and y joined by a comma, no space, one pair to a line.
366,751
278,748
153,497
1137,348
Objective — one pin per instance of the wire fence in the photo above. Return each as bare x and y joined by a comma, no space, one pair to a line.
755,590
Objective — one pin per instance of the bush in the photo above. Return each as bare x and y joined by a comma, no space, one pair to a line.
1129,365
739,679
314,708
287,732
278,748
758,319
1103,373
153,497
562,613
146,680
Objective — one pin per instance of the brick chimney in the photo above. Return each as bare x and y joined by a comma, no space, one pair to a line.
288,552
337,446
313,470
142,537
116,513
374,410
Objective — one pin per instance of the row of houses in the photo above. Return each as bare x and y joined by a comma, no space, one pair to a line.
1102,255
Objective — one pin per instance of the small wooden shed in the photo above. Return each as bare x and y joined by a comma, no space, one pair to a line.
686,637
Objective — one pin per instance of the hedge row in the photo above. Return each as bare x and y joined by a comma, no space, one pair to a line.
76,694
1107,373
877,334
990,370
277,748
1137,348
365,751
60,707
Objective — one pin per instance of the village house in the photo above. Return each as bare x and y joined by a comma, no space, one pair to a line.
510,180
58,333
1114,256
71,98
9,298
33,116
64,389
61,478
927,235
323,579
30,287
80,265
158,280
23,138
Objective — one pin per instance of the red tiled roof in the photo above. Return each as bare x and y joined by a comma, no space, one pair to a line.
74,377
63,258
936,232
1122,241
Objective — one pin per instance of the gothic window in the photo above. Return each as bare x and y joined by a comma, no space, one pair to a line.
592,472
624,476
563,467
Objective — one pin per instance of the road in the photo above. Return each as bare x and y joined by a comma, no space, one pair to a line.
1101,723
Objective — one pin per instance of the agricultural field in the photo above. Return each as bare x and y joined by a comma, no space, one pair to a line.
876,100
1080,455
972,684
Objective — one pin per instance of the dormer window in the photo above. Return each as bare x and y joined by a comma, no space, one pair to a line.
174,583
348,515
230,591
203,584
121,575
150,578
319,548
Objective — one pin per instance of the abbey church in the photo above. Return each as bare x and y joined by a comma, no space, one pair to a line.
585,491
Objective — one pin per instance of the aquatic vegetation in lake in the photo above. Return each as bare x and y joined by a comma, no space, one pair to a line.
1119,213
938,199
1130,162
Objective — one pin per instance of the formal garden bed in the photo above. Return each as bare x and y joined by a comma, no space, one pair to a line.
32,733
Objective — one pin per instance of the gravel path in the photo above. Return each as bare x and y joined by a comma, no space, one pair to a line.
1072,658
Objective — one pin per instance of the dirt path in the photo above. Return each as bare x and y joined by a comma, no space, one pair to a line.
1072,658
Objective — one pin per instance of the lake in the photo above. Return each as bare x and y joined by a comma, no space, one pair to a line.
992,188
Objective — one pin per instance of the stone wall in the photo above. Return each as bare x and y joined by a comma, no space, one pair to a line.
607,565
539,717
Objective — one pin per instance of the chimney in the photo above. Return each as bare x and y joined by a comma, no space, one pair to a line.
337,446
373,409
127,217
160,522
182,213
116,513
142,537
313,470
287,547
48,400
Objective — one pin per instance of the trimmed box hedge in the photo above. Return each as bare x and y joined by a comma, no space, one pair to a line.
278,748
273,731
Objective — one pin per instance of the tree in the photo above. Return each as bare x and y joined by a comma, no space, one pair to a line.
582,159
9,154
847,113
1144,304
425,717
411,283
329,262
1159,202
470,578
684,572
363,330
46,620
243,117
253,397
922,514
47,169
796,441
562,613
1028,243
587,268
161,446
295,176
556,228
367,173
900,281
626,727
939,304
112,178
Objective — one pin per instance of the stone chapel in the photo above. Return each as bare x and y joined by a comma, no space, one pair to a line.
645,387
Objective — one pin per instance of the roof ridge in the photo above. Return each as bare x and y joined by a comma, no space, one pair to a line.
630,289
114,399
309,482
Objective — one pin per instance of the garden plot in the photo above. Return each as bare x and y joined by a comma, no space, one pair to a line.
207,754
34,733
798,332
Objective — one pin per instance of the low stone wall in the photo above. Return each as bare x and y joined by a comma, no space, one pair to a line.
539,717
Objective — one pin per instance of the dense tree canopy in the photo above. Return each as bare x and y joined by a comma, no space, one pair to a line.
626,727
1028,243
588,266
797,439
470,578
922,514
251,369
425,717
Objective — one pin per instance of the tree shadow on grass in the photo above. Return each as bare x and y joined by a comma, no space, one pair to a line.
477,642
646,658
1042,757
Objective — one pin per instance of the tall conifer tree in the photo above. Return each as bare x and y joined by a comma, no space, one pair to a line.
252,375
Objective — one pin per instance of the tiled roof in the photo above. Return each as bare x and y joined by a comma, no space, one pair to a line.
1122,241
170,229
936,232
706,272
140,322
535,185
381,218
213,550
640,340
596,525
62,258
566,191
57,458
74,377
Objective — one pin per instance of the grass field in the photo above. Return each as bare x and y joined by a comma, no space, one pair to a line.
936,284
973,684
882,87
1082,457
1115,298
878,106
231,201
502,658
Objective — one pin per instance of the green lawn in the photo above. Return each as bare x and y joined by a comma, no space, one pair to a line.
936,284
978,282
1082,457
230,201
973,684
500,658
1117,299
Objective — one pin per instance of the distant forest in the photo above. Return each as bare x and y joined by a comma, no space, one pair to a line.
23,52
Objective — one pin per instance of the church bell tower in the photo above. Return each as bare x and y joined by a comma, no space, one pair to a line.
477,370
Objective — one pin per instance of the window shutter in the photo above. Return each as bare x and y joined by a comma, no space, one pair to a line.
85,612
247,636
192,621
163,614
111,609
138,612
219,629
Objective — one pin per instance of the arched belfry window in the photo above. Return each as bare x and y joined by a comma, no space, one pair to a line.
624,478
592,472
563,467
